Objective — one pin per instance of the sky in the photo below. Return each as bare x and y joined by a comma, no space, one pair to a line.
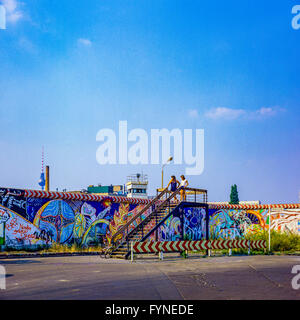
71,68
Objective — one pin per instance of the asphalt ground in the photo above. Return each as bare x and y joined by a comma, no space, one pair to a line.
174,278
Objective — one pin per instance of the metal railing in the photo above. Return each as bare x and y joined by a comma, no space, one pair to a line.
192,194
157,204
196,195
154,206
149,206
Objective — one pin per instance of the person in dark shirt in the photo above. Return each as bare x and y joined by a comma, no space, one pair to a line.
174,183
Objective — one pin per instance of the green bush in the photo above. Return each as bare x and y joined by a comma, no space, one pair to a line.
53,248
280,241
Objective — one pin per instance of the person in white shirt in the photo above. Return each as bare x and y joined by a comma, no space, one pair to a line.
184,183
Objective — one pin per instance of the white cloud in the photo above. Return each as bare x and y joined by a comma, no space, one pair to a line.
15,17
193,113
233,114
225,113
84,42
13,12
27,45
267,111
10,5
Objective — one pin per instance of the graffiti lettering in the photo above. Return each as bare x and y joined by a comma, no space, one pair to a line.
4,216
44,235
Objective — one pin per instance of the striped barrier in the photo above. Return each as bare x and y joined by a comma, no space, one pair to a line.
169,246
255,206
259,244
175,246
81,196
118,199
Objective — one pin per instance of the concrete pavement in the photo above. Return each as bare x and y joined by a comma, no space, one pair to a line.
196,278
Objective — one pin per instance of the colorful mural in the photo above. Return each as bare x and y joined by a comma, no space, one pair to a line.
192,226
31,221
285,220
92,220
19,231
170,230
194,223
232,224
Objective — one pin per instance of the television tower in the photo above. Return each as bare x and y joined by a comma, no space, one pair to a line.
42,180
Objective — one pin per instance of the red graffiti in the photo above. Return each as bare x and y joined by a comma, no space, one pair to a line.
11,224
21,231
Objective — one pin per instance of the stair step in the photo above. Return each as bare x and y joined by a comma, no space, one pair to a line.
118,254
124,248
120,251
118,257
149,224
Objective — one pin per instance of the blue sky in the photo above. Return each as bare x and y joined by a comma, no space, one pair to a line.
70,68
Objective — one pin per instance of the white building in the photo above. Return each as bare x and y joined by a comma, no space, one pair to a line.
136,186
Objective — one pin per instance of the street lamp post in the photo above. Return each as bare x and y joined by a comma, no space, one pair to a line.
162,172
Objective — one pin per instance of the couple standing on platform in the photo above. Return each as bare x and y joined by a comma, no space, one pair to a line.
174,183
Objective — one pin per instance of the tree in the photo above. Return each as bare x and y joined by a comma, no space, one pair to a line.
234,195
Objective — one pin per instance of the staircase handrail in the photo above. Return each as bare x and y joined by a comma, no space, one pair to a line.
148,206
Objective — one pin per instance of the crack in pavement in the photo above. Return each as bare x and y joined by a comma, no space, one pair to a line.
278,285
202,280
194,286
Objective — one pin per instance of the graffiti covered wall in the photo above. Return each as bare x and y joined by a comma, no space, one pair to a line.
190,224
232,223
26,219
30,221
194,223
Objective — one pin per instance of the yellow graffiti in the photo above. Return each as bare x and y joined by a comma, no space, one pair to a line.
79,226
91,226
120,219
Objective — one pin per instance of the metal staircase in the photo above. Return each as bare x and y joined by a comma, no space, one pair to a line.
139,228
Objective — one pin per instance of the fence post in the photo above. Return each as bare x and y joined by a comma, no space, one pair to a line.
230,252
161,255
156,231
127,238
207,226
131,251
249,247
